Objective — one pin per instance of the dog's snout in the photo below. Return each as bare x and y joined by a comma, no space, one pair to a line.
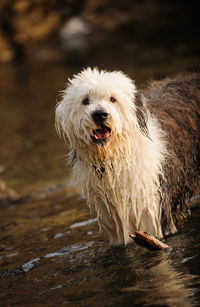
99,116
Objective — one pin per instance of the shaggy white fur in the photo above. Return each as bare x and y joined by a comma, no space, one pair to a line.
117,167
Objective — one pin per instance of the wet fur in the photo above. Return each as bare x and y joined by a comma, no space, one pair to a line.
143,176
176,103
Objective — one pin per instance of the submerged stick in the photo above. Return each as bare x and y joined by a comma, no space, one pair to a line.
147,240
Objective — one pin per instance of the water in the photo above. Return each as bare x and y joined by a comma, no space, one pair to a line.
80,268
51,252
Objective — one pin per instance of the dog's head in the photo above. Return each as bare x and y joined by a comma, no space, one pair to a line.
97,106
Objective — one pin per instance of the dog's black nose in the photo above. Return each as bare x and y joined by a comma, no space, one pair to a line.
99,116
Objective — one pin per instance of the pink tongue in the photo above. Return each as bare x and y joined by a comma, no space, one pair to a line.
101,134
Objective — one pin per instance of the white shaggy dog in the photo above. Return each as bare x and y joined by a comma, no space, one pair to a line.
125,149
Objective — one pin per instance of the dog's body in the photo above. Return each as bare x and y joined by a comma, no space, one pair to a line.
136,156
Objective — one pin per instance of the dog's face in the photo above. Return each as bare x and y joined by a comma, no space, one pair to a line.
96,107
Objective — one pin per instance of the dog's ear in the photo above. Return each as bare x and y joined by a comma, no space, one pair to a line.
141,113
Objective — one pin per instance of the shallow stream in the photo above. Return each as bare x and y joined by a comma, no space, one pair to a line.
51,252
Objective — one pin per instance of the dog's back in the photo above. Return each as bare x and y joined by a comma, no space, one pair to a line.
176,104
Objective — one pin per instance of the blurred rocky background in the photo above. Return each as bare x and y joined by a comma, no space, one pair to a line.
57,29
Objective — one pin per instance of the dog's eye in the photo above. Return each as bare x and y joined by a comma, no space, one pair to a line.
85,101
112,99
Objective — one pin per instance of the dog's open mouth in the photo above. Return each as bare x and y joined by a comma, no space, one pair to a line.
101,134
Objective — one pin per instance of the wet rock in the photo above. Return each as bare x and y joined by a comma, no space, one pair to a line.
7,195
74,34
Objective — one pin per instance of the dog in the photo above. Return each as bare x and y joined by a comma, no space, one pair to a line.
135,155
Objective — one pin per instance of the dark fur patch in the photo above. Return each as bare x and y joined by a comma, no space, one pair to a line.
141,113
176,104
100,171
73,158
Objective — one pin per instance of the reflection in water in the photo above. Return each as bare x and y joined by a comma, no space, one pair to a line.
161,284
29,265
83,223
62,252
70,249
